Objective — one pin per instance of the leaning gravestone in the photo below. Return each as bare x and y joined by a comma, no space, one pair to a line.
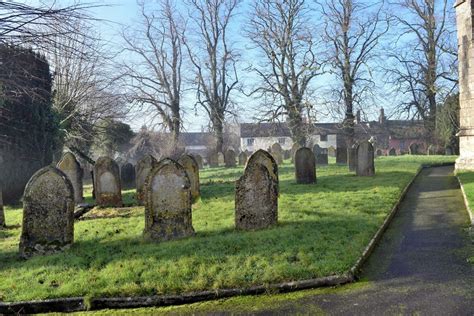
2,211
199,161
108,189
256,194
365,160
72,169
127,175
229,158
277,153
220,159
341,155
48,213
142,169
352,157
305,166
168,202
243,158
321,155
192,170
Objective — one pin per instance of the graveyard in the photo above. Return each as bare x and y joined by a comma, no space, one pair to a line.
322,230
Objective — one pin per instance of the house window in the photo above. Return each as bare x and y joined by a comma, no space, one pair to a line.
323,138
250,141
281,141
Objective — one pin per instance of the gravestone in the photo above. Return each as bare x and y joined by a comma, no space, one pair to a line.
392,152
365,160
142,169
341,155
191,167
48,213
168,202
305,166
212,159
72,169
108,189
321,155
286,154
256,197
352,157
293,150
414,149
243,158
127,175
220,159
2,211
199,161
264,158
379,152
277,153
331,151
229,158
449,151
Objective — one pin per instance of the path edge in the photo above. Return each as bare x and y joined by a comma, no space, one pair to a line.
466,201
76,304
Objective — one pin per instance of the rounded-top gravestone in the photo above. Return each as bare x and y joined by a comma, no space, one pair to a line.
229,158
192,170
365,160
256,194
48,213
168,202
72,169
127,175
305,166
293,150
277,153
107,186
142,169
243,158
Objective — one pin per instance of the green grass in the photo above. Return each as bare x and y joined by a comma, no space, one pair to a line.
467,180
322,230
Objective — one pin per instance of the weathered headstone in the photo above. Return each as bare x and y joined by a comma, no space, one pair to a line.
379,152
229,158
352,157
305,166
321,155
220,159
414,149
108,189
256,197
72,169
48,213
243,158
264,158
392,152
449,151
341,155
191,167
286,154
212,159
277,153
365,159
168,202
331,151
127,175
2,211
199,161
293,150
142,169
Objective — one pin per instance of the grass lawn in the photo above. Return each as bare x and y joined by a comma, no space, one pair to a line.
322,230
467,179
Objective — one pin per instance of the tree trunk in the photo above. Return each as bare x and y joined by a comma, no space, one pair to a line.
297,127
219,134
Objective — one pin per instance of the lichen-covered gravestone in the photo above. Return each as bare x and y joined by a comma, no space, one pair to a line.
72,169
220,159
229,158
305,166
277,153
108,189
352,157
127,175
142,170
48,213
321,155
168,202
243,158
256,193
192,170
365,160
2,211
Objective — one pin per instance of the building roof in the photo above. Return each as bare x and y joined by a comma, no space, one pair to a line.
196,139
282,130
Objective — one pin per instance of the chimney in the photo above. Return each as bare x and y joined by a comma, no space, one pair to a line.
382,116
357,121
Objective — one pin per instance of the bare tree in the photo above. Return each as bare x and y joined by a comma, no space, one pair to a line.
280,31
153,75
214,60
352,30
424,57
